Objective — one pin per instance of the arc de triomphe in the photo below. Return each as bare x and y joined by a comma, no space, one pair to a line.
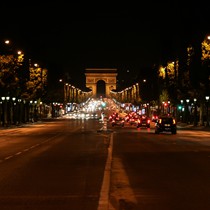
94,75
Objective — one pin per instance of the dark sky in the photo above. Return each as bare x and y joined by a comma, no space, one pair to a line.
67,38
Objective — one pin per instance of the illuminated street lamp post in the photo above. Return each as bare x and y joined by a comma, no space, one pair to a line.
182,110
169,107
4,116
8,110
35,111
187,110
31,111
5,110
207,110
1,112
19,111
13,111
40,110
195,112
163,107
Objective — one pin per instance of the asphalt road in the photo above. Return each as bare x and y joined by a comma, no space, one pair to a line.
73,164
52,166
160,171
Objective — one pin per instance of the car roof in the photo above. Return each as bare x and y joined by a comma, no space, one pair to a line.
166,116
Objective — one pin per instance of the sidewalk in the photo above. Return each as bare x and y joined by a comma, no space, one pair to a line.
185,126
20,125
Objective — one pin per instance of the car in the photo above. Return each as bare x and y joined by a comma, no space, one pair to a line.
113,116
133,120
94,115
166,124
83,115
154,118
143,121
118,121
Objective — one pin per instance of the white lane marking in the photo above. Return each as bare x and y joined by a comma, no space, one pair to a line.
104,194
36,145
7,158
121,189
25,150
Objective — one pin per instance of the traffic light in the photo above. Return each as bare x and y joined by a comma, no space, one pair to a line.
180,107
103,104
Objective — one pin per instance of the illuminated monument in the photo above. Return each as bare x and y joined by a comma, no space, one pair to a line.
101,80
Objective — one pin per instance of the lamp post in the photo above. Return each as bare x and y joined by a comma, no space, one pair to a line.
35,111
8,110
207,110
169,107
31,111
182,108
195,111
187,110
5,109
13,111
4,116
19,111
163,108
40,110
1,112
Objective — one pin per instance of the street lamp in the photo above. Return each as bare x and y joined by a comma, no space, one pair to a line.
195,111
187,110
169,107
7,41
181,108
31,111
35,111
19,111
13,110
207,110
163,107
3,98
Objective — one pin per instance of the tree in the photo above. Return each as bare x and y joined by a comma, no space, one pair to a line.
37,83
9,81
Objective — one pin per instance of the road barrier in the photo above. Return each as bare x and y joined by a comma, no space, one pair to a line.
105,124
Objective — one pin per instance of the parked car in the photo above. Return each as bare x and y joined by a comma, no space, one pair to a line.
143,121
165,124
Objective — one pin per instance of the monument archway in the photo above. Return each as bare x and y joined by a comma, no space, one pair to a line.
94,76
101,89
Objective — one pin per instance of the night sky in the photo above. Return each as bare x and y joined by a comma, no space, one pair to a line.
67,39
